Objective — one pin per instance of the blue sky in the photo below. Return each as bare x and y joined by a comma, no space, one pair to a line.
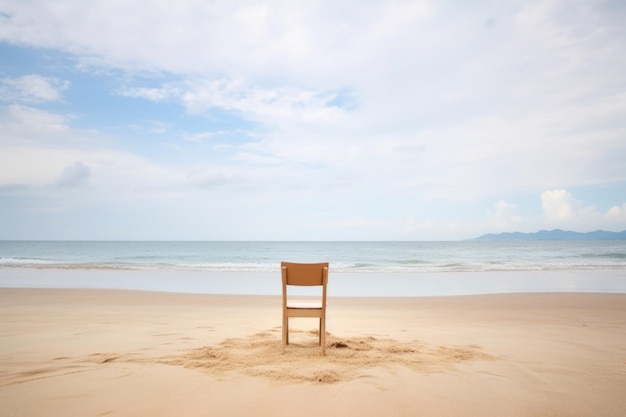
281,120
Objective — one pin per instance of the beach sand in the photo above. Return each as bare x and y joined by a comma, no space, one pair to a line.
88,352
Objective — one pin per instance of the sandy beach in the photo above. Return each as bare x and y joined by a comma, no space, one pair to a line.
90,352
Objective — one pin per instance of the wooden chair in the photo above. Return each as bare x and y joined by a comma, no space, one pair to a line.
297,274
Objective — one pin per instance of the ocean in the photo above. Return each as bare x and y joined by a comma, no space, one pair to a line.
389,268
460,256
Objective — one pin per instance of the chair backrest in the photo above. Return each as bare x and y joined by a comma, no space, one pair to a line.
304,274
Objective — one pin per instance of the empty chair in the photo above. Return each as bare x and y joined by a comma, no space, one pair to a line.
298,274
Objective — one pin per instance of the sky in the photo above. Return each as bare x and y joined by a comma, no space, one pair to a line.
310,120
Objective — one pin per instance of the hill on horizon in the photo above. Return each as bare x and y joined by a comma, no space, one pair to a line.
556,234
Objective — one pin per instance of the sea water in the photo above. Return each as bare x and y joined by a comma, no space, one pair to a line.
458,256
357,268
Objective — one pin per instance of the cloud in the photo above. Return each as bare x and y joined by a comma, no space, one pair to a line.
30,89
163,93
26,124
41,148
271,106
363,85
107,171
73,175
272,39
560,206
617,215
504,217
561,209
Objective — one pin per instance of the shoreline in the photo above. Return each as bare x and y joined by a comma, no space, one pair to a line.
341,284
119,352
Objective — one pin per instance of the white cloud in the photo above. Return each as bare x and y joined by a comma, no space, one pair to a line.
24,124
32,89
41,149
271,106
73,175
107,171
504,217
561,209
560,206
617,215
437,96
153,94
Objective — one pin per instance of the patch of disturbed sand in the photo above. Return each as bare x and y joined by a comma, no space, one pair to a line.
346,358
260,355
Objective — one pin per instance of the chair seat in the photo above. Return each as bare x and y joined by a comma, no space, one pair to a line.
304,304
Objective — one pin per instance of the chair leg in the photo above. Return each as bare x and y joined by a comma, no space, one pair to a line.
285,332
319,339
323,335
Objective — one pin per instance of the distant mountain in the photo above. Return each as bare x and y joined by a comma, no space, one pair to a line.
556,234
